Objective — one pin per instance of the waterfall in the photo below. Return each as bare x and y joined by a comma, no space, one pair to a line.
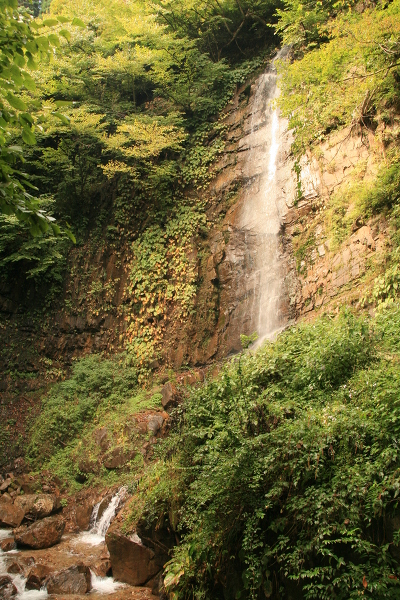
98,527
254,249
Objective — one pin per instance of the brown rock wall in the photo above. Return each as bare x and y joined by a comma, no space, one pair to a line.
330,275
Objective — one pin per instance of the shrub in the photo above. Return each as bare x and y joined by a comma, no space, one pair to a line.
288,468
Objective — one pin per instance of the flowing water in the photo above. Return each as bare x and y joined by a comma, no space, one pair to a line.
87,547
255,246
98,527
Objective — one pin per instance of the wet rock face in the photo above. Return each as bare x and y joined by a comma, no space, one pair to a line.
37,576
8,544
15,568
11,515
102,568
77,513
7,588
103,505
131,561
75,580
42,534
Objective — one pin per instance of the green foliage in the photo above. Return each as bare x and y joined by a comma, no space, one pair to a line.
21,47
94,383
305,25
227,28
27,260
247,340
349,80
163,280
287,467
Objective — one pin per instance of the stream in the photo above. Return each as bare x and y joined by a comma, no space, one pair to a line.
88,547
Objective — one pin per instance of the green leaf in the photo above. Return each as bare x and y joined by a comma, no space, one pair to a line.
29,82
65,34
50,22
65,120
32,64
25,119
42,43
62,19
17,149
78,22
31,47
15,102
19,60
54,40
16,75
28,137
71,236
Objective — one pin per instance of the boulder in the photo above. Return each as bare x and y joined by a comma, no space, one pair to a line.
102,567
7,588
5,498
19,465
169,394
5,485
101,438
74,580
11,515
42,534
15,568
38,506
88,465
154,423
117,458
83,512
103,505
8,544
36,577
131,561
28,483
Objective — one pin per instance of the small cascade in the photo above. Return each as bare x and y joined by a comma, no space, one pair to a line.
18,580
105,585
98,527
66,553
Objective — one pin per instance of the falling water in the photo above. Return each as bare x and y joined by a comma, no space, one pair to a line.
18,580
256,243
98,527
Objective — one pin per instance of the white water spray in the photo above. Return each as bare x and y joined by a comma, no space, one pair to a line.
98,527
18,580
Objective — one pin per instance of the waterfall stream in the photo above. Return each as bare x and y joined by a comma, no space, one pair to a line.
72,549
98,526
255,246
262,209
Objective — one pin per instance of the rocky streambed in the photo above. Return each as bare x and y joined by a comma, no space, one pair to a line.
38,559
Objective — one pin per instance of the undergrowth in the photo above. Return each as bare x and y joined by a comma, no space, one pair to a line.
282,480
100,394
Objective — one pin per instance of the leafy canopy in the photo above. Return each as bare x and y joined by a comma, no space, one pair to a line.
23,43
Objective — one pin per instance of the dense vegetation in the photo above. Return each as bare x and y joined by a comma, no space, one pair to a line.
283,480
100,394
282,476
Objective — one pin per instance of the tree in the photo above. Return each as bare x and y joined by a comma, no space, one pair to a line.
21,47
